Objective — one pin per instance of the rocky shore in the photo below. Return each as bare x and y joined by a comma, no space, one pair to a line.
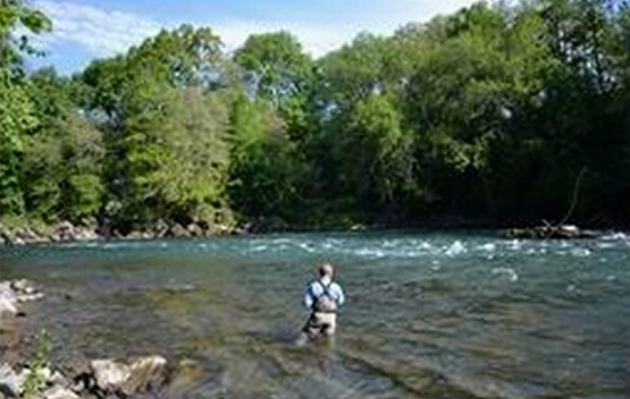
34,377
104,378
67,232
547,231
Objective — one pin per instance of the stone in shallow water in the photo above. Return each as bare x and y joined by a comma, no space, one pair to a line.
58,392
10,382
14,292
109,375
142,375
7,306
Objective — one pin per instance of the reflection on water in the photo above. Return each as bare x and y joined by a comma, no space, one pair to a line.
429,315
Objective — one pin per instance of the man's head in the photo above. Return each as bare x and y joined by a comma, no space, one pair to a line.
326,270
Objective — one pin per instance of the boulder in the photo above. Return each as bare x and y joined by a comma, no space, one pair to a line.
86,234
10,382
177,230
147,374
195,230
160,229
8,299
66,231
25,291
12,293
547,231
109,375
27,234
142,375
15,240
22,286
7,306
58,392
135,235
58,379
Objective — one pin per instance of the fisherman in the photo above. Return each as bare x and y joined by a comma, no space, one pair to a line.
323,297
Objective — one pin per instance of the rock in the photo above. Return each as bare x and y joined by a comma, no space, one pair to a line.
135,235
224,229
12,293
358,227
66,231
195,230
7,306
188,373
109,375
83,375
10,382
58,379
30,298
549,231
17,241
27,235
25,291
8,299
23,286
142,375
160,229
86,234
147,374
177,230
58,392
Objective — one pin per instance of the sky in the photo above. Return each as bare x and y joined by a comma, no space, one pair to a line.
84,30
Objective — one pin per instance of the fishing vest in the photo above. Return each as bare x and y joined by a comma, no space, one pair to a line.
326,302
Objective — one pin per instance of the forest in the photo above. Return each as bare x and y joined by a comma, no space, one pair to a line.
499,114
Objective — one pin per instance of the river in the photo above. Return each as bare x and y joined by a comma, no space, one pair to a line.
428,315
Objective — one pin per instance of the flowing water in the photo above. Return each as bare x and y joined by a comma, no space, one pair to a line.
428,314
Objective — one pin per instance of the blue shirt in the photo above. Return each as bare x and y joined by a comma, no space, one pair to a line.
315,290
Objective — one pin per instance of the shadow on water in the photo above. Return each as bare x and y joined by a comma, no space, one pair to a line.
428,316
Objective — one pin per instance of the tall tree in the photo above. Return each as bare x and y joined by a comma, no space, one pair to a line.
265,172
16,110
166,120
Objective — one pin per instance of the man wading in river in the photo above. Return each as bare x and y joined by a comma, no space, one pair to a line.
322,298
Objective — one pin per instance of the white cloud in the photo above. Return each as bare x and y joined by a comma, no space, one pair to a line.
317,40
105,33
101,32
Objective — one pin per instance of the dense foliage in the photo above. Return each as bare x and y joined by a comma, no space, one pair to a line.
501,113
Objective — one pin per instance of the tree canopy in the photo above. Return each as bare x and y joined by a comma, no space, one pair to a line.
505,113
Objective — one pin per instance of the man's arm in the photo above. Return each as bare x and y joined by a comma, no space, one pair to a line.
308,298
341,298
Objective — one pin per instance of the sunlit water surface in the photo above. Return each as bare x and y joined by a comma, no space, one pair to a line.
429,314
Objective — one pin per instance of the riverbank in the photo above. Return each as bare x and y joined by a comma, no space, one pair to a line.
26,369
67,232
38,233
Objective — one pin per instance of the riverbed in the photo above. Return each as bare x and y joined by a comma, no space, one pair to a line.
429,314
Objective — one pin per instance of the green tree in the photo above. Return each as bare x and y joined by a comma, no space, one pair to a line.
264,171
63,157
380,168
277,69
16,110
163,108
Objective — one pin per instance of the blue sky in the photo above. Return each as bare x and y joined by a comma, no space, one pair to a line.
88,29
